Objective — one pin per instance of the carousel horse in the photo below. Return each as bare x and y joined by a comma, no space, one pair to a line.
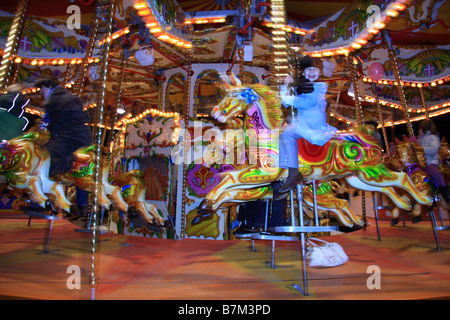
444,159
408,156
355,156
25,163
325,195
133,191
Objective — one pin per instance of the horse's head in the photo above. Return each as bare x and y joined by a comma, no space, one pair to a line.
256,100
409,152
236,101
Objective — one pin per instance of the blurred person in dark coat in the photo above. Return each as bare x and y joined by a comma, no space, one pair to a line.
67,125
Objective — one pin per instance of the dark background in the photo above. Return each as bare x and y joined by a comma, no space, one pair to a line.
442,123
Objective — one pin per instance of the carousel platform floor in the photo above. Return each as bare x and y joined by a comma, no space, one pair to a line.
138,268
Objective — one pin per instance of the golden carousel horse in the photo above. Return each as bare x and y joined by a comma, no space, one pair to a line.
444,160
408,156
325,195
355,156
25,163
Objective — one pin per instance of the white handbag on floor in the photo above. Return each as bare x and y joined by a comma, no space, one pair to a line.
329,255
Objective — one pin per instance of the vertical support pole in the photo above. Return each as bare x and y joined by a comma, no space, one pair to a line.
187,144
401,92
107,8
434,224
292,208
49,236
352,63
383,127
302,241
424,104
117,103
272,264
241,64
12,45
375,206
316,214
280,65
82,70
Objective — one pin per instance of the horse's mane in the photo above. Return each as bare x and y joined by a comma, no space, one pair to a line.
270,105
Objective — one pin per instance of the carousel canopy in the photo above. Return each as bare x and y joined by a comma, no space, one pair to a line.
150,37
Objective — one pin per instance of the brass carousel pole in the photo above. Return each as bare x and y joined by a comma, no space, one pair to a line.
352,63
117,102
105,8
398,81
186,142
12,45
83,68
354,78
280,66
401,92
241,64
424,105
383,127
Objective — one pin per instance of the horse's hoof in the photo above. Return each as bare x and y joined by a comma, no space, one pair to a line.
205,207
204,212
201,218
50,208
132,212
280,196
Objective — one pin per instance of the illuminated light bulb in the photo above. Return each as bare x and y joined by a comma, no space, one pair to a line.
144,12
155,30
362,41
392,13
399,6
141,5
379,25
34,62
18,60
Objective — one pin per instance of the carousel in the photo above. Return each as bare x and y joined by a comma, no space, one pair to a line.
188,106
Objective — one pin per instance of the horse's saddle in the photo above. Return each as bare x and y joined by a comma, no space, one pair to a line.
311,153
